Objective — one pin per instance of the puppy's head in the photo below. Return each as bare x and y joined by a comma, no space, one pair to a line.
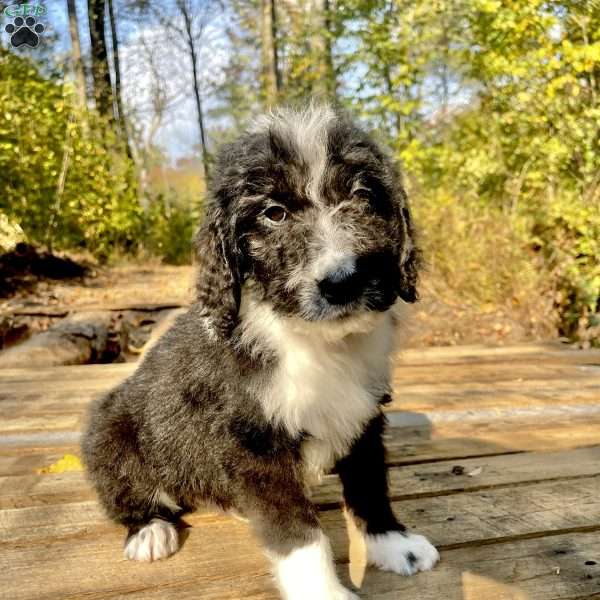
309,207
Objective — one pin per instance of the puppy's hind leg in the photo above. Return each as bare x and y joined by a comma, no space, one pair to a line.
126,489
156,536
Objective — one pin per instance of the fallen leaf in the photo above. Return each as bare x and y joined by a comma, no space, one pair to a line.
69,462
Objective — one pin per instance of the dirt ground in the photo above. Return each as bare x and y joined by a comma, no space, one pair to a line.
435,321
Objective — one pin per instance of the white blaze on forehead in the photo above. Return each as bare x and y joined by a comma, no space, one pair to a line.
311,138
307,130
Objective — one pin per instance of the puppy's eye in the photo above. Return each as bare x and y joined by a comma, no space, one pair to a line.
277,214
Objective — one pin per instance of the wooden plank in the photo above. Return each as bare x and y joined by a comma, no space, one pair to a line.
405,482
512,571
24,454
480,353
407,445
489,395
20,462
68,550
65,422
516,356
499,368
406,379
535,569
90,565
35,490
442,478
451,521
66,373
27,442
59,390
49,414
83,558
441,402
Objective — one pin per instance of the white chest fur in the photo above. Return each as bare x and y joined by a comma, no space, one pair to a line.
328,378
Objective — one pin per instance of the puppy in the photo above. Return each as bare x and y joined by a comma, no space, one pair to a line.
276,372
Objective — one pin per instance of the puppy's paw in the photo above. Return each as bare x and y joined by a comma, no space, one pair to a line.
402,553
154,541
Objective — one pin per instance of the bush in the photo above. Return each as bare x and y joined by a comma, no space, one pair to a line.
478,256
64,176
169,231
566,233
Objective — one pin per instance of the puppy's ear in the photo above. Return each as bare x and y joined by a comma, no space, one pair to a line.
410,257
218,286
409,253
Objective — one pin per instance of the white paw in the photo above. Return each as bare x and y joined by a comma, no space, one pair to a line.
154,541
403,553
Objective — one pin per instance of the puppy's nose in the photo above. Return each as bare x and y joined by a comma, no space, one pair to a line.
342,288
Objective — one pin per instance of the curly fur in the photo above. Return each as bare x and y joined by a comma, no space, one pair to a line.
276,371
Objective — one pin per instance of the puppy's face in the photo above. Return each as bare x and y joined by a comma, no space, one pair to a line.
318,216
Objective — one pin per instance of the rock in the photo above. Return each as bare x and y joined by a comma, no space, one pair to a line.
78,339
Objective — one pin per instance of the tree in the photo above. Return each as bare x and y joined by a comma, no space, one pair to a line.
324,82
76,61
120,116
195,17
99,57
271,75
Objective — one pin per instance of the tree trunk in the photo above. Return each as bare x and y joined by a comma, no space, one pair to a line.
200,112
100,70
391,92
271,76
205,161
77,65
120,116
324,85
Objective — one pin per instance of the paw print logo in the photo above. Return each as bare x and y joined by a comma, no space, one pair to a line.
25,32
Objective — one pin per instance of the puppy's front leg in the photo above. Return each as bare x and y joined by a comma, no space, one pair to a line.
287,523
364,476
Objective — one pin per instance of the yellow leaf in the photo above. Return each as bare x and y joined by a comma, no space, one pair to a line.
69,462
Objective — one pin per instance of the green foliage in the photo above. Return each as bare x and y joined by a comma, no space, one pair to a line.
494,109
567,233
64,176
169,232
491,106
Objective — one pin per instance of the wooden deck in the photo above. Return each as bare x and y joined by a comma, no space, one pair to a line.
494,454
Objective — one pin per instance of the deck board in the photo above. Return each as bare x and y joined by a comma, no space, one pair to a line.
519,522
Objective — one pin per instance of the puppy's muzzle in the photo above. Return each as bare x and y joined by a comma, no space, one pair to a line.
342,288
372,277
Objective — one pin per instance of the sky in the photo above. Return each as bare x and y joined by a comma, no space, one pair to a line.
178,133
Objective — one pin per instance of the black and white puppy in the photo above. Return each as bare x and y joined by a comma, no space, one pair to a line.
277,371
